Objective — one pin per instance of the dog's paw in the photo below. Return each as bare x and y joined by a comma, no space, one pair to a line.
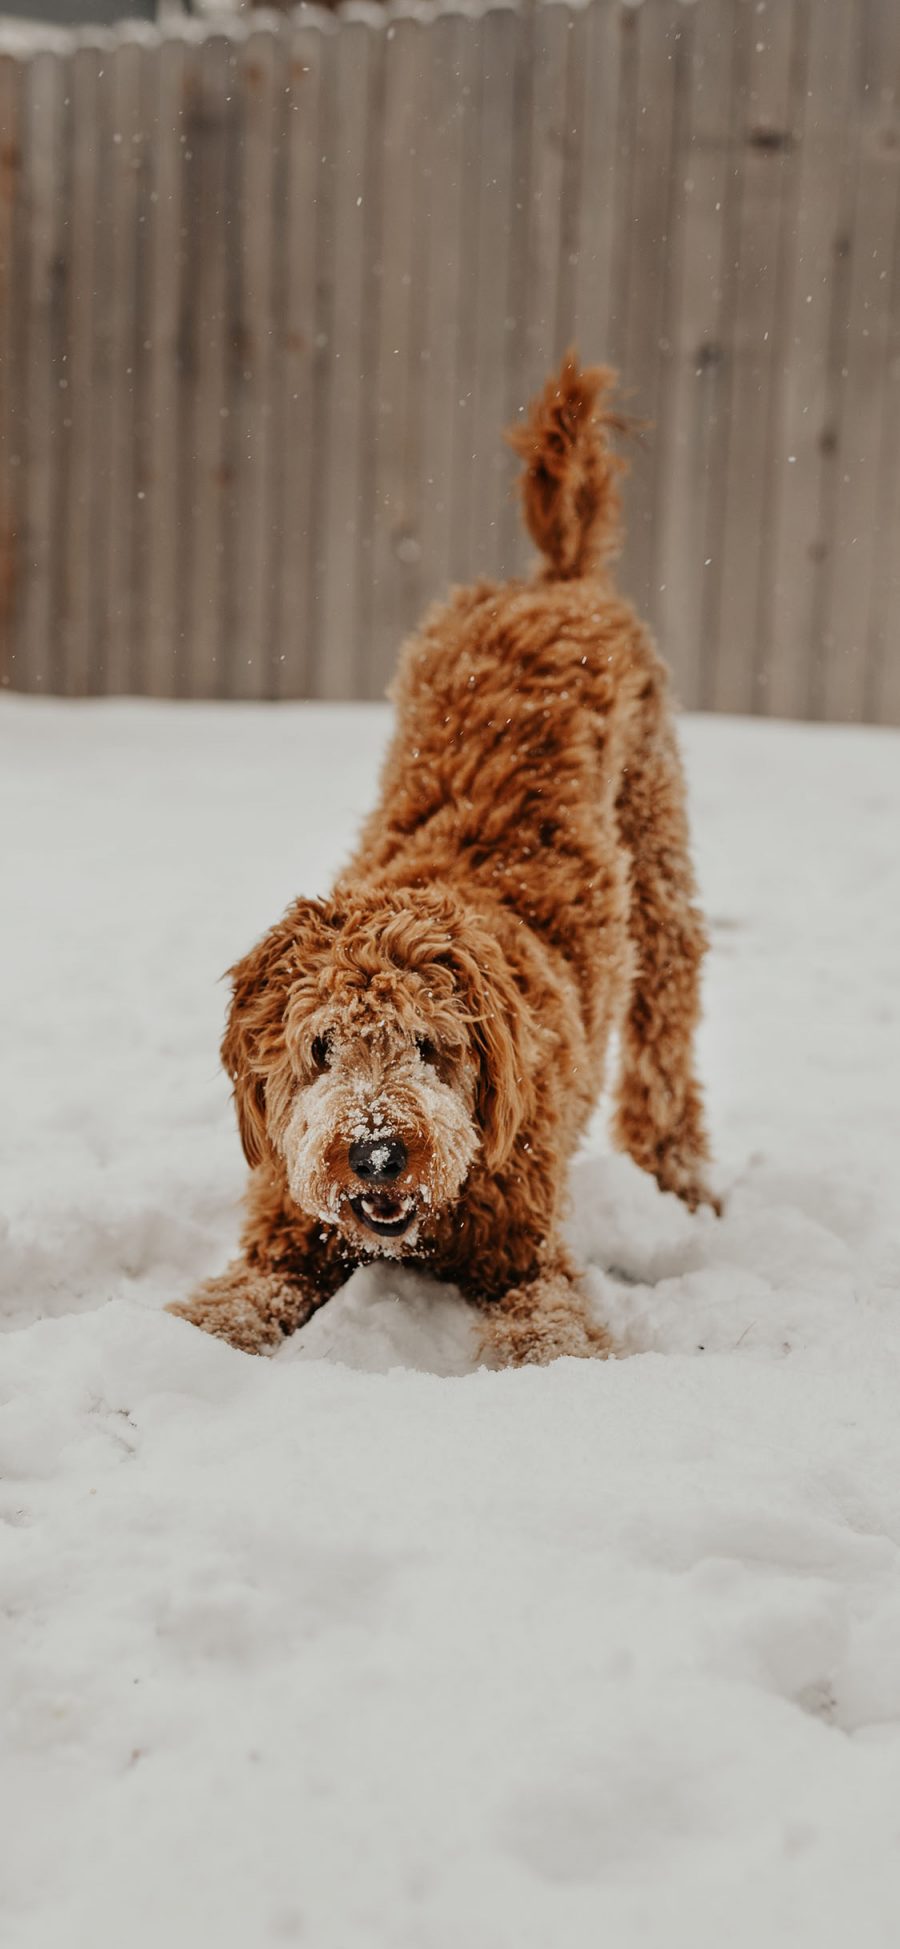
242,1306
543,1321
239,1324
686,1176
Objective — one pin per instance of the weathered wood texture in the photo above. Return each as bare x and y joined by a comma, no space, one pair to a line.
269,291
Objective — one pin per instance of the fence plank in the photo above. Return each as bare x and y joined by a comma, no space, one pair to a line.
547,204
75,621
41,370
858,478
208,131
387,534
105,317
464,393
164,645
625,140
260,90
345,154
12,74
298,485
651,260
122,161
882,698
445,268
594,87
739,558
550,26
491,462
515,550
697,371
826,129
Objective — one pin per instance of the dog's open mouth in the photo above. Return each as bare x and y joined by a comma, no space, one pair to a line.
384,1212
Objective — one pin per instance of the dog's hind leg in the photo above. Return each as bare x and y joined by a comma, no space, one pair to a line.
659,1117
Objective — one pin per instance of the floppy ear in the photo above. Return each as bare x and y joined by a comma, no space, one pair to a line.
253,1047
504,1042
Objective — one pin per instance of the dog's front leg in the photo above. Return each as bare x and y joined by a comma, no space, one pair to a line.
543,1319
253,1306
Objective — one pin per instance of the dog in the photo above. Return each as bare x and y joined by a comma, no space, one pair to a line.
415,1058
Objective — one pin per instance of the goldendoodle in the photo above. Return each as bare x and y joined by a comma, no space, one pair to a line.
415,1058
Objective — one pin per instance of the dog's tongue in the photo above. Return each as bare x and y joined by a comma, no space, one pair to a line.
384,1206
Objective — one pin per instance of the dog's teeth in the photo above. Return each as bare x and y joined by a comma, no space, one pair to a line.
386,1211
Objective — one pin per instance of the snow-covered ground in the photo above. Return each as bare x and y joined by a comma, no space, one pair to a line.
363,1649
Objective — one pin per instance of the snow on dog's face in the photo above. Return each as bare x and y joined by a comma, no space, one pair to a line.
376,1048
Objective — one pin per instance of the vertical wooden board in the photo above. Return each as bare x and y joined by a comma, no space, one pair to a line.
41,370
464,429
491,471
204,453
260,87
627,32
323,312
857,509
680,37
550,25
391,587
767,115
101,380
12,77
688,478
61,391
516,552
337,667
792,607
298,484
117,490
572,158
452,43
78,565
377,250
164,646
662,26
882,699
542,113
595,43
137,595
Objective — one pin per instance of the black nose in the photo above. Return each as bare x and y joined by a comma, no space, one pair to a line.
378,1160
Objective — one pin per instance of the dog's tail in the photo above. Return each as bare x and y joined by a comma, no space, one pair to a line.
569,485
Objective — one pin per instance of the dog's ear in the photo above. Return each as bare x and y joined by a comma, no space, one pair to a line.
504,1042
253,1046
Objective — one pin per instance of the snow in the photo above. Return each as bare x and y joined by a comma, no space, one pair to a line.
359,1646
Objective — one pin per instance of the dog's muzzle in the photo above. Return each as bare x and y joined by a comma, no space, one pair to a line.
378,1161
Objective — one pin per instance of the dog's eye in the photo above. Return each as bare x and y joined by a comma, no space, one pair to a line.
426,1049
320,1052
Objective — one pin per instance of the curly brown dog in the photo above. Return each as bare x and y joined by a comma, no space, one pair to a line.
415,1058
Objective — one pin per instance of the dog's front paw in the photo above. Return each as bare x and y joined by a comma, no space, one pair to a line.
545,1320
251,1309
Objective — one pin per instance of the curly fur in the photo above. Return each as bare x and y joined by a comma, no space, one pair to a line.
522,888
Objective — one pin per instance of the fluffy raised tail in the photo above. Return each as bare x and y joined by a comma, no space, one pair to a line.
569,491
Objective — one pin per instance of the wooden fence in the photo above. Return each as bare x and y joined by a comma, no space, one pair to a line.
268,295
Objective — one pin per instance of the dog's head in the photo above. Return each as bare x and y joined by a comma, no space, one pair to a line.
377,1047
